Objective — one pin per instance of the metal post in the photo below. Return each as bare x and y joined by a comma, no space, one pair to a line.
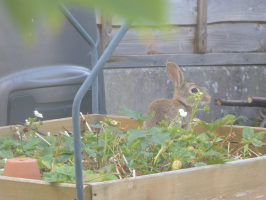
76,106
89,40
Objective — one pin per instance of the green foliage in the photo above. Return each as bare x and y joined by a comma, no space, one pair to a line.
136,115
214,161
249,137
23,12
110,153
228,119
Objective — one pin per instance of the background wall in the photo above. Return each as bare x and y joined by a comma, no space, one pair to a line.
219,44
136,88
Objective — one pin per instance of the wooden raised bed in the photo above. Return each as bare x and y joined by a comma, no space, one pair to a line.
243,179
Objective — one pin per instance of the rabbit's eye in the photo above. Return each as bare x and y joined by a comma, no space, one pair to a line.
194,90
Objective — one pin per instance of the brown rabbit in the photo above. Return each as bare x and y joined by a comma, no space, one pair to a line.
183,89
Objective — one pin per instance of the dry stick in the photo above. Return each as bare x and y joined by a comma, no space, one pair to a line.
67,130
43,139
254,152
118,173
125,159
65,133
50,144
258,100
86,121
57,150
240,103
225,102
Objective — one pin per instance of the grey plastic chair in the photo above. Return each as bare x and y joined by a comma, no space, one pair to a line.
46,75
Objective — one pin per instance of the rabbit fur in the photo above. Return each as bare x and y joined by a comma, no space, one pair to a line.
169,107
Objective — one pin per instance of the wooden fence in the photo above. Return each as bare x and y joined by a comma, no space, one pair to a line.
199,32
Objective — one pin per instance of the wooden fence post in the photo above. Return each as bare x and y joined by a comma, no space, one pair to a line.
106,30
201,34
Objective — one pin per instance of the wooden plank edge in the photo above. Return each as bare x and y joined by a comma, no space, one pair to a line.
53,191
263,158
201,33
160,185
208,59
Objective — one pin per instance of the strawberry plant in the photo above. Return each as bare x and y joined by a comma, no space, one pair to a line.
111,152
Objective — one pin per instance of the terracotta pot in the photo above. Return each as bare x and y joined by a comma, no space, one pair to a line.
22,168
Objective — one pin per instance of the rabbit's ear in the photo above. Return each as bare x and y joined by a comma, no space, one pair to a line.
174,73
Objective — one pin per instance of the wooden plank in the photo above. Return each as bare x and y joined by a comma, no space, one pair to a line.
27,189
181,12
106,30
222,38
244,179
201,36
236,11
236,37
185,13
178,12
126,122
160,60
149,40
54,126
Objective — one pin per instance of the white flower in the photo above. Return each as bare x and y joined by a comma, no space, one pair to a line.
113,122
182,113
37,114
27,122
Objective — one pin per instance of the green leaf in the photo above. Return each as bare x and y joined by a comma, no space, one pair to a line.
158,136
50,177
6,145
134,134
213,161
257,143
136,115
6,154
209,154
133,164
65,156
228,119
39,161
200,164
219,139
31,145
246,142
260,135
89,152
246,148
22,12
48,151
173,130
47,161
248,133
202,137
222,150
68,170
96,126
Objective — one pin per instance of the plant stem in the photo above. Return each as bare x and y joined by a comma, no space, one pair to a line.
136,159
57,150
227,135
153,156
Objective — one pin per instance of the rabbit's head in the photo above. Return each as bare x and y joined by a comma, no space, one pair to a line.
184,89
